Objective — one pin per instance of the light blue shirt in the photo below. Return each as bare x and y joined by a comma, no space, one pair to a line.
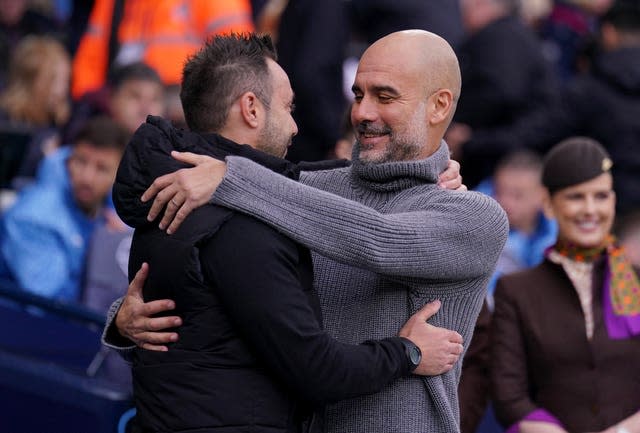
44,238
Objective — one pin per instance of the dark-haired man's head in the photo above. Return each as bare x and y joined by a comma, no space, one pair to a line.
135,91
94,161
234,87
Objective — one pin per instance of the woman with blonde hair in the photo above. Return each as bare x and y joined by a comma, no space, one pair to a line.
36,101
566,334
37,92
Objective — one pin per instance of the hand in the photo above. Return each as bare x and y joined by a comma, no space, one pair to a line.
450,178
134,319
184,190
440,347
540,427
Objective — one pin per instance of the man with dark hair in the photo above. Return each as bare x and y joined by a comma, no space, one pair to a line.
387,237
252,354
44,236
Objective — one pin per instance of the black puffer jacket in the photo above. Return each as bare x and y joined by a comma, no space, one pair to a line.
252,355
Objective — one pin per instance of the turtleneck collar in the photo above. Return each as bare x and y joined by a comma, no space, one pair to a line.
395,176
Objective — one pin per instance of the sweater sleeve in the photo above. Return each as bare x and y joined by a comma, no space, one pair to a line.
110,336
262,295
434,238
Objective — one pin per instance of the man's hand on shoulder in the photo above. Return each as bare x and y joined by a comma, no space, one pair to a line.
441,348
184,190
450,178
135,319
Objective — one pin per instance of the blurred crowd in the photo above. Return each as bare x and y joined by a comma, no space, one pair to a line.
77,78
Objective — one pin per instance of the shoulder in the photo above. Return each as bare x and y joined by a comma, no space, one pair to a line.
39,203
247,236
528,282
323,179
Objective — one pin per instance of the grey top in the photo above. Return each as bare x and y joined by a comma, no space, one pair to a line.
386,240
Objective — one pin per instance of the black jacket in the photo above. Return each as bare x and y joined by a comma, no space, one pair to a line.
252,355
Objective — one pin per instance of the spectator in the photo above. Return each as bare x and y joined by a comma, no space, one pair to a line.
44,236
131,94
504,76
517,187
565,346
603,105
18,20
162,34
36,99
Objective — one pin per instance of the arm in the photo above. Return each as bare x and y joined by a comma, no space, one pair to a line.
510,386
36,257
432,240
130,320
473,389
261,292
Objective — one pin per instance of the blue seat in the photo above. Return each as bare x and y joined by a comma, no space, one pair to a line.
50,356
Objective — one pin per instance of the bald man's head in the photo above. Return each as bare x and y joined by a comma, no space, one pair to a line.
405,90
418,52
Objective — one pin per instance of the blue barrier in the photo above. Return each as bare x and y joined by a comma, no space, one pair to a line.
50,368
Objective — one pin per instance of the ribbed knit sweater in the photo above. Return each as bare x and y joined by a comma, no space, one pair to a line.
386,240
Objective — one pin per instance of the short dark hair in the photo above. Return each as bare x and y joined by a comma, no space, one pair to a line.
139,71
223,69
103,132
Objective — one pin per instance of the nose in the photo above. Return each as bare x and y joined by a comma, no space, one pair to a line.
590,205
295,128
363,110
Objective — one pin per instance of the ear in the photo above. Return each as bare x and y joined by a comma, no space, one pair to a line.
440,106
547,206
251,109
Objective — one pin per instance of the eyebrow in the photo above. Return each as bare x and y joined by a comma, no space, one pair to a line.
378,89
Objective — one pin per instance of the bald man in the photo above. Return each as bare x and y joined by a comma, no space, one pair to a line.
386,239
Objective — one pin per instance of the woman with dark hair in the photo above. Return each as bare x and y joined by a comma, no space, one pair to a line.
566,334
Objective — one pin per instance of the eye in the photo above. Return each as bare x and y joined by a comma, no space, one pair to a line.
357,98
384,99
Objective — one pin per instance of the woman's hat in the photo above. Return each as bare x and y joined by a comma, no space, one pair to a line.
573,161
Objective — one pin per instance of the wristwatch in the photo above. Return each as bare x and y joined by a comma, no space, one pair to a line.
413,352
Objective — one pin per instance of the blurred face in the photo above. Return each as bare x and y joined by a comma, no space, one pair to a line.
134,100
389,112
92,172
520,194
584,212
59,83
279,127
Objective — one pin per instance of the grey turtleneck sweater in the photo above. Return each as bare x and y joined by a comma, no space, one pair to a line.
386,240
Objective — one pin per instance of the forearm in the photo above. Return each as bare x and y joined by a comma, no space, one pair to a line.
437,241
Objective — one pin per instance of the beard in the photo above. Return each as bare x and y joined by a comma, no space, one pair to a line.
273,140
403,147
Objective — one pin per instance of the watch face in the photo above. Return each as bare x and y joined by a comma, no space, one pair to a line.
415,355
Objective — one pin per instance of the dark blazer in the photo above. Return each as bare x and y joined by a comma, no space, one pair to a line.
542,359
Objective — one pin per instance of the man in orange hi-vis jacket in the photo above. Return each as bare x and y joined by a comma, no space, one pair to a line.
161,33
